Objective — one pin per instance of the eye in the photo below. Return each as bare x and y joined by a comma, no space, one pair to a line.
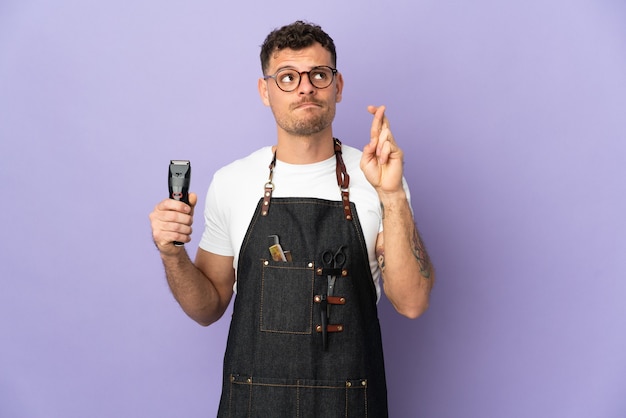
319,74
287,76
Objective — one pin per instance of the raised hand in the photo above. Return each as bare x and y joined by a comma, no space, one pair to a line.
382,159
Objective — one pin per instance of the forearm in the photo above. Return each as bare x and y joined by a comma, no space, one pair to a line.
408,275
195,293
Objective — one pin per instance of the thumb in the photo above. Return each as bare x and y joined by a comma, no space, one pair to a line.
193,199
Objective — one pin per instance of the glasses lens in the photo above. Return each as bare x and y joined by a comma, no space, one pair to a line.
288,79
321,77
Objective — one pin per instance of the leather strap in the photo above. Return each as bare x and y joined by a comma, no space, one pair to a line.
343,180
321,271
330,328
331,300
269,188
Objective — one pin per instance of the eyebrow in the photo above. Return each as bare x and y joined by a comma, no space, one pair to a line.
291,67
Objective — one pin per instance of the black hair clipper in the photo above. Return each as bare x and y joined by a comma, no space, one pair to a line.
179,178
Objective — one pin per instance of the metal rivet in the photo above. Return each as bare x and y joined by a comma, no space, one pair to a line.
317,298
310,265
349,384
339,328
266,262
363,382
318,328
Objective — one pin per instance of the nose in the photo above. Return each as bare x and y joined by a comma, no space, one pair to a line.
306,87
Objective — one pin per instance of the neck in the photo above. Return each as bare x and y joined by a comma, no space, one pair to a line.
304,150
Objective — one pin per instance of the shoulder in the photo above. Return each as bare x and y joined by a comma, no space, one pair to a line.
251,167
232,196
240,183
259,158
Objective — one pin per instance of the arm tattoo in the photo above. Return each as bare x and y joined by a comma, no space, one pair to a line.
417,247
419,251
380,251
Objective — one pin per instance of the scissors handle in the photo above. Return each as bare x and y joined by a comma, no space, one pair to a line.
340,257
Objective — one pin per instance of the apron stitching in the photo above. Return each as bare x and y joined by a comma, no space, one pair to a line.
311,305
250,401
298,399
230,397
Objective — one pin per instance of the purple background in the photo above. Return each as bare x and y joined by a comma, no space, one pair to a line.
512,117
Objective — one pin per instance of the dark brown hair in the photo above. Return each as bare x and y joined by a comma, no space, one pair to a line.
296,36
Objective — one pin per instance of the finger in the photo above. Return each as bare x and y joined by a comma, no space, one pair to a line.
173,205
173,216
383,147
193,200
384,151
375,128
161,217
378,121
166,231
384,123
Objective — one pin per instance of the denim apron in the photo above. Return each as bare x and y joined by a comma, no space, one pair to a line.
305,339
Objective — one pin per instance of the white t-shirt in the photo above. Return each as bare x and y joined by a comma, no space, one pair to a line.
236,189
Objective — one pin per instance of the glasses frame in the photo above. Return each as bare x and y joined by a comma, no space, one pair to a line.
334,72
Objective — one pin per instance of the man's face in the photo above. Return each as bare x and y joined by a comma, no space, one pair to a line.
307,110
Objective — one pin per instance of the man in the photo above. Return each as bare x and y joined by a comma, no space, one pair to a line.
301,231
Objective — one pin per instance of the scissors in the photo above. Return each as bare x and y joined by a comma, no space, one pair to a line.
334,263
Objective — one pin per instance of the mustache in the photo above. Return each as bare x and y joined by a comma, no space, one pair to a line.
306,101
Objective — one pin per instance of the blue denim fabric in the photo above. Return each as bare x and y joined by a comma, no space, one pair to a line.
275,363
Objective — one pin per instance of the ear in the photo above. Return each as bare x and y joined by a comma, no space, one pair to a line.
262,86
339,87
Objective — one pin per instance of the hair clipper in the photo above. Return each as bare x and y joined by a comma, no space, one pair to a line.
179,178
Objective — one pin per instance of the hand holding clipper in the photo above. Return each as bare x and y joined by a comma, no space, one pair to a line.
179,179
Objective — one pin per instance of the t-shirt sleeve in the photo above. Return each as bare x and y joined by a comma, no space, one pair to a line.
216,237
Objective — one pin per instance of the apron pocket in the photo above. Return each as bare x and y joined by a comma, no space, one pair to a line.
287,297
269,397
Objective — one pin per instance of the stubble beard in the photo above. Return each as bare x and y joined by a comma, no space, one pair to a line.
308,125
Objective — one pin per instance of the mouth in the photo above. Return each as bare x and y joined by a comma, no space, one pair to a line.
306,105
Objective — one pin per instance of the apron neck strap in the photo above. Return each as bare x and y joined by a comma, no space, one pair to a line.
343,181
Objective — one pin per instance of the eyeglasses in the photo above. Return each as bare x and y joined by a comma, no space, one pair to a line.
289,79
